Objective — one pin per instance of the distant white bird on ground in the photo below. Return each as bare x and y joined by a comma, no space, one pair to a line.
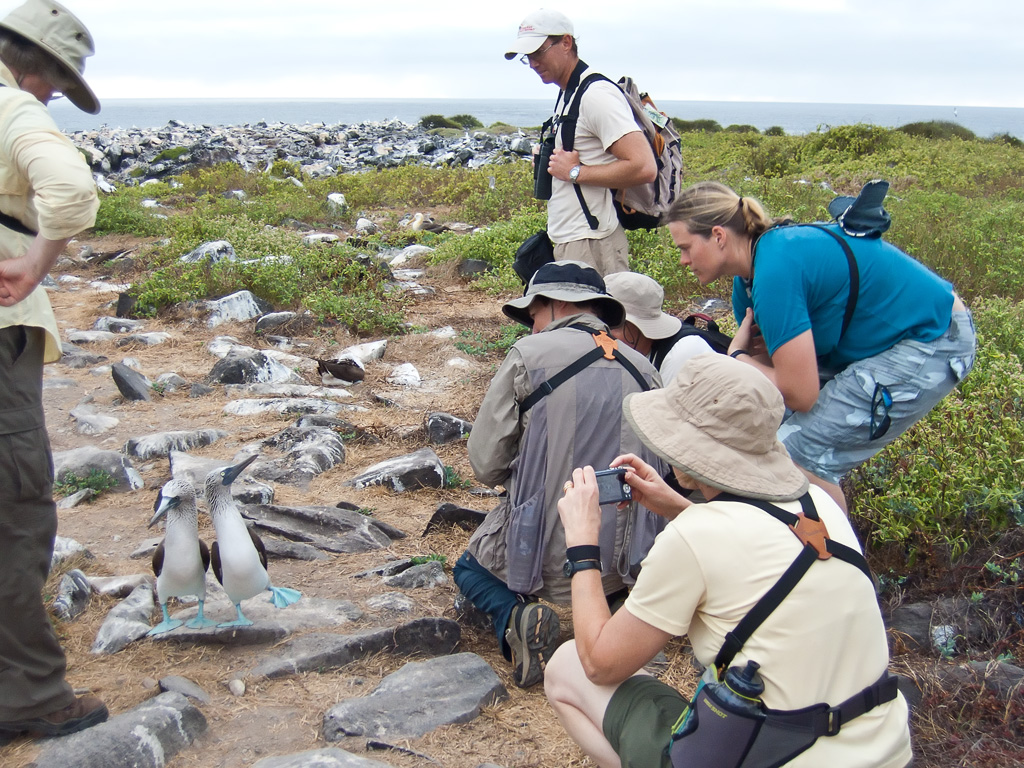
238,556
181,559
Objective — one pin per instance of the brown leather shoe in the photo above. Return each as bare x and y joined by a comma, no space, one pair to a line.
82,713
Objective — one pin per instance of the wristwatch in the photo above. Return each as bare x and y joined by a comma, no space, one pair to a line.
574,173
572,567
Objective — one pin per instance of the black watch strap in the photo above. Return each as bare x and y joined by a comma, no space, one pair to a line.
572,567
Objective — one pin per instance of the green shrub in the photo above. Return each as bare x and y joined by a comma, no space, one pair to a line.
430,122
775,130
171,153
466,121
1010,139
938,129
695,126
742,129
122,213
96,479
851,140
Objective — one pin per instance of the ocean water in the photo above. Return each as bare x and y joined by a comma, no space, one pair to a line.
794,118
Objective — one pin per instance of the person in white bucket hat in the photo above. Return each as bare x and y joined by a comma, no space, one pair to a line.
823,644
47,196
648,329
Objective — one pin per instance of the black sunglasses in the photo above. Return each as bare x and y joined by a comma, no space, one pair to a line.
881,402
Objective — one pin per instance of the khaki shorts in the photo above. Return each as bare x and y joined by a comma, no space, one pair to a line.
607,255
638,721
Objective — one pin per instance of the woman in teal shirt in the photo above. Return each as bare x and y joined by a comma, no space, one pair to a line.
908,343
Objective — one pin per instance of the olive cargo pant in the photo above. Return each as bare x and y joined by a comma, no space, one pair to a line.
32,663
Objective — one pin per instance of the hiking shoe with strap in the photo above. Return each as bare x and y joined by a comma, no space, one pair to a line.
84,712
532,635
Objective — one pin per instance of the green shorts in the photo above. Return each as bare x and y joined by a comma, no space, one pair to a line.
638,721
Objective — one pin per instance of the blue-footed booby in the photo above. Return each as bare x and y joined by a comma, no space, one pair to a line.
239,557
181,560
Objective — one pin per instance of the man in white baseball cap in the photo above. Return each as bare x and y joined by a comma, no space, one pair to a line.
48,196
575,170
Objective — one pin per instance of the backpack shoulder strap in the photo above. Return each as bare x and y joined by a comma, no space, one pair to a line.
567,126
604,346
851,299
815,548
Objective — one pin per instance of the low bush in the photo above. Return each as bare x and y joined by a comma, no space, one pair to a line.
430,122
938,129
696,126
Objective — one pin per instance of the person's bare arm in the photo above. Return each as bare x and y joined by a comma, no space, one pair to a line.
634,164
793,368
20,276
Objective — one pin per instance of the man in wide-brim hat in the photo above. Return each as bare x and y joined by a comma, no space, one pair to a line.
530,443
47,196
716,424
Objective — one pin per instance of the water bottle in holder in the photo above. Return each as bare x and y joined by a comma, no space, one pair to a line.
721,722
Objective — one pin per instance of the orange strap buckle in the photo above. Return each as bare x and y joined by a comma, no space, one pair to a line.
812,532
607,343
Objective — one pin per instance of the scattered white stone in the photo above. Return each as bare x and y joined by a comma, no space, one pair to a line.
365,227
365,352
104,287
90,337
286,406
444,333
405,375
237,687
89,422
459,362
337,204
320,237
240,306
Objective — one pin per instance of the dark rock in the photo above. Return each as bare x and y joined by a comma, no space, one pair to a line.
199,390
75,357
910,691
79,462
448,515
130,383
322,651
349,432
1003,679
473,267
280,549
248,366
162,443
73,594
238,307
328,528
332,757
310,451
274,320
444,428
126,622
421,469
426,575
145,737
116,325
185,687
418,698
211,252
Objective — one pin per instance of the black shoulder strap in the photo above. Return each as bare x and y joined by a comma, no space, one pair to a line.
851,300
12,223
568,128
547,387
771,600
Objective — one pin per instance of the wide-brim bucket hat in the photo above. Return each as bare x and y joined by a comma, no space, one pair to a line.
571,281
535,29
717,422
61,34
642,297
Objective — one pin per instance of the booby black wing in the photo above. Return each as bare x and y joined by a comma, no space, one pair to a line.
204,554
215,561
158,558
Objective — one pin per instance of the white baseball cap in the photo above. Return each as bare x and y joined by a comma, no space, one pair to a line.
536,28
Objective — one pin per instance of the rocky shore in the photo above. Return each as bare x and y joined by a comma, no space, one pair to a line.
136,155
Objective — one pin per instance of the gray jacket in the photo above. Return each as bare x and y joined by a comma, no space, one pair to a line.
521,541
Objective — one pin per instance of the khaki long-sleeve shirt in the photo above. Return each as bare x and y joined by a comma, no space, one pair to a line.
44,183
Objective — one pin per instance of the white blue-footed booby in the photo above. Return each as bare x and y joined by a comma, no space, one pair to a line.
181,560
239,557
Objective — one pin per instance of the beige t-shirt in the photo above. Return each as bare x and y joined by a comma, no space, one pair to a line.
824,643
46,184
605,117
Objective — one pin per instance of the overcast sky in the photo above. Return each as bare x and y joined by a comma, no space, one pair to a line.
854,51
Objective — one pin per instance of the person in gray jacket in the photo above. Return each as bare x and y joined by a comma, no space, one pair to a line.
529,443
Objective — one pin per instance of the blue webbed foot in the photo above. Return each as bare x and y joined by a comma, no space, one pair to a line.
282,596
241,621
166,625
200,621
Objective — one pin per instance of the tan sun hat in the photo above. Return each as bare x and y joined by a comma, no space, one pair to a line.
571,281
642,297
716,421
535,29
59,32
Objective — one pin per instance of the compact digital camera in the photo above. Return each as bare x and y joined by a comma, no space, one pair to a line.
612,486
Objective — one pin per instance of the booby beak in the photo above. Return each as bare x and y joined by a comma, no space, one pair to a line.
164,504
231,473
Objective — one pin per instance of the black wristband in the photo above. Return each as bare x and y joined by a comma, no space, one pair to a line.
739,352
583,552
